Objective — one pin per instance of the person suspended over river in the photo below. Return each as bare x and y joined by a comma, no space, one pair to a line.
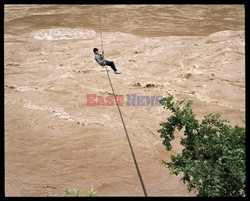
101,61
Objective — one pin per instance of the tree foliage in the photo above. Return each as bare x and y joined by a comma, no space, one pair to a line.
212,161
76,192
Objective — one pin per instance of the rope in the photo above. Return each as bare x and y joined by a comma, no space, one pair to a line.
125,129
100,27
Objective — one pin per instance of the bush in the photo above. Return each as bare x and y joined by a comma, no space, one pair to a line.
90,193
212,161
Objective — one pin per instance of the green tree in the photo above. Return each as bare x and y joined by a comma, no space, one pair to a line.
212,161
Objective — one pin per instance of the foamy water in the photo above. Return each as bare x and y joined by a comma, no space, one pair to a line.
64,34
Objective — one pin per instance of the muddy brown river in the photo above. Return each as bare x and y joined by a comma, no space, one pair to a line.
54,141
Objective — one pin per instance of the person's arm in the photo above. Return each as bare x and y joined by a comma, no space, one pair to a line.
99,59
103,62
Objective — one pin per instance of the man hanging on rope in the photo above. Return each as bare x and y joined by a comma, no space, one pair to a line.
100,60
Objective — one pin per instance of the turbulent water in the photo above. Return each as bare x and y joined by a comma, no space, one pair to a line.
55,141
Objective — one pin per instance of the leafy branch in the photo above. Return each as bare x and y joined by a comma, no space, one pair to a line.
213,158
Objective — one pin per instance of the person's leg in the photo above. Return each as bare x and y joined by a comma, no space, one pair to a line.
111,64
